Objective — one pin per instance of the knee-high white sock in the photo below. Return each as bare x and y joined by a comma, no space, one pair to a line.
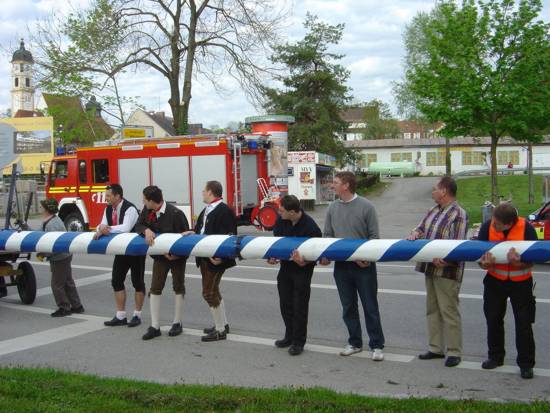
154,301
178,308
224,317
218,318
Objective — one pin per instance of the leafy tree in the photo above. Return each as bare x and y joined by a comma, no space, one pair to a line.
314,89
481,67
179,39
380,123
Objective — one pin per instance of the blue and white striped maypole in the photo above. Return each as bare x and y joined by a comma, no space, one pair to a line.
250,247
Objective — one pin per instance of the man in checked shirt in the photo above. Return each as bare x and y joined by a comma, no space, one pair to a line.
446,220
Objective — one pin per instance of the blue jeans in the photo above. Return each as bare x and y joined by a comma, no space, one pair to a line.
351,281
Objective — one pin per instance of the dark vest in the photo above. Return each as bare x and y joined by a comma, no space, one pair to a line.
125,206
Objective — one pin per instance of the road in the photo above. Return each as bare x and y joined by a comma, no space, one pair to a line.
30,337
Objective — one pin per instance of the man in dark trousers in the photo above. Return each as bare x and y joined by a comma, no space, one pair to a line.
215,219
294,278
159,217
512,280
119,217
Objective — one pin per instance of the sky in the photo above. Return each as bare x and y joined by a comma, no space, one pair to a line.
372,44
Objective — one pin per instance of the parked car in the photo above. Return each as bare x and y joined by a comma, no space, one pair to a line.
540,220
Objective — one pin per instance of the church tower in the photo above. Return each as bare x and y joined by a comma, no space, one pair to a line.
22,92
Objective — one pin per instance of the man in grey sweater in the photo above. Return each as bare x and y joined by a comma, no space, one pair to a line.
63,286
353,216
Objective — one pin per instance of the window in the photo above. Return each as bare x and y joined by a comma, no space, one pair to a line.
435,158
100,171
16,82
505,157
473,158
401,156
21,67
27,82
82,172
406,135
367,159
417,135
60,170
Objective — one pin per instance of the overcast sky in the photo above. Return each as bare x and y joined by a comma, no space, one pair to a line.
372,45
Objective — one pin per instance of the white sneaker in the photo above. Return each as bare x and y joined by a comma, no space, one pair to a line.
377,354
349,350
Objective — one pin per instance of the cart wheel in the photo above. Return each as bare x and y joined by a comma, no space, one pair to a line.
26,283
267,216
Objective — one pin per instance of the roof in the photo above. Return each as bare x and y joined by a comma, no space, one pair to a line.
27,114
411,126
435,142
68,111
165,122
22,55
353,115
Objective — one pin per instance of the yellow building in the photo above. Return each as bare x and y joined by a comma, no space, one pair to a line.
33,143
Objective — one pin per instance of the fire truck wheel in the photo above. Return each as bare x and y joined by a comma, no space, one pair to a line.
74,222
267,217
26,283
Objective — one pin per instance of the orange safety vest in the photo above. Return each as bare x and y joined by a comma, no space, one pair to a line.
505,272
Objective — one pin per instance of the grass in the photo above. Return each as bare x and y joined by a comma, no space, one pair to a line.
47,390
473,192
375,190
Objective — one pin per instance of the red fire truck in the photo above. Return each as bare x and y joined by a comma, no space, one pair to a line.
180,166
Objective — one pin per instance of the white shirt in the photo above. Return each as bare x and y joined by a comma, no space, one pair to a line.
162,209
209,208
130,218
352,198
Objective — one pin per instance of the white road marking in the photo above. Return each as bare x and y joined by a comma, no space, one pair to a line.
93,323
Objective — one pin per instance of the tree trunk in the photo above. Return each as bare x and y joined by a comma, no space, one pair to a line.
188,71
494,185
531,198
447,156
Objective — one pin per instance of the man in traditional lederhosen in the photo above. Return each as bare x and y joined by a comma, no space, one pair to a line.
121,216
159,217
216,218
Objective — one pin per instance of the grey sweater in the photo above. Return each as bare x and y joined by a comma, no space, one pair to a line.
353,219
55,224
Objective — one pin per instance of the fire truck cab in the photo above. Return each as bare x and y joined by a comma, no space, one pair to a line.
180,166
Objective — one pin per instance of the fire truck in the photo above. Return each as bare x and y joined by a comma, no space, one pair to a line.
180,166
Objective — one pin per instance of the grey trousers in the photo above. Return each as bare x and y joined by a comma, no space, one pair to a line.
63,287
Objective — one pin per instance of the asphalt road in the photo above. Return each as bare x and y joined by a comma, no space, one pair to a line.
30,337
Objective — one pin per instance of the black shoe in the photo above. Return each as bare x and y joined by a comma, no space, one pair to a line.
295,350
429,356
212,329
151,333
285,342
77,310
491,364
214,336
116,322
134,322
61,312
527,373
175,330
452,361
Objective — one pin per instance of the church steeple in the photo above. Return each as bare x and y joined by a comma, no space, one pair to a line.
22,92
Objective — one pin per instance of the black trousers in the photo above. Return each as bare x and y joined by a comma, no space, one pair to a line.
294,291
495,295
124,263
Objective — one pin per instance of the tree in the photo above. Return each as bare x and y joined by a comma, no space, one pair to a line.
181,39
380,124
481,68
314,90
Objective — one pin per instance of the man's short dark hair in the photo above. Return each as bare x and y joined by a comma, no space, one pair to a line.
116,189
506,214
347,178
215,187
290,203
153,193
449,184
